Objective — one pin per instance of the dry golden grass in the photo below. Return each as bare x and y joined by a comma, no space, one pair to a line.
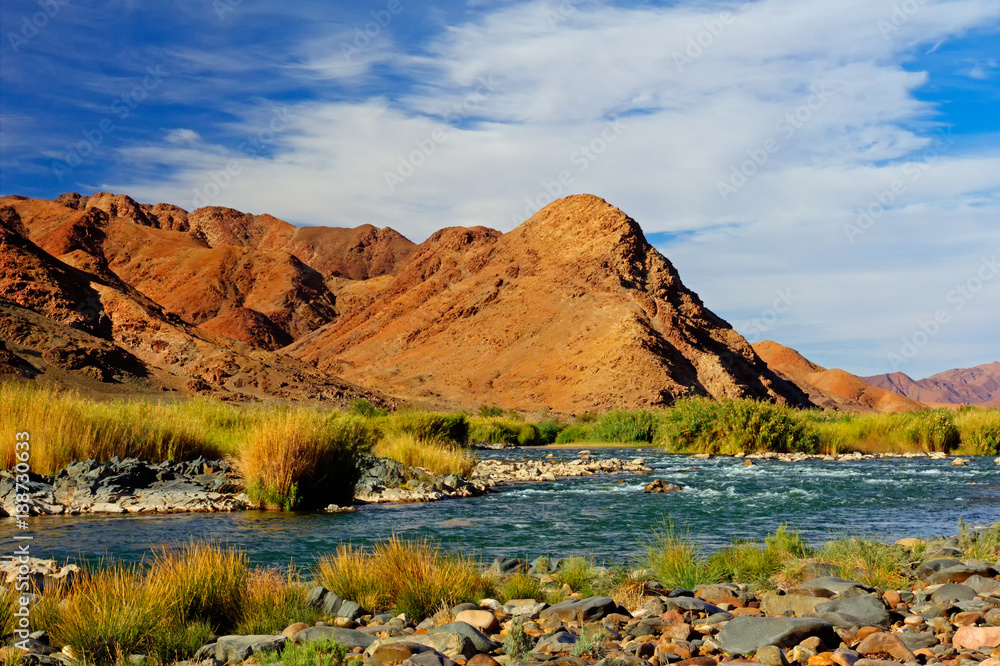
304,459
437,457
411,577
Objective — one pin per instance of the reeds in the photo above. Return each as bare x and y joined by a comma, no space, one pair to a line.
437,457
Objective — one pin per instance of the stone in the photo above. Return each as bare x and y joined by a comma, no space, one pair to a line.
584,610
836,585
961,573
482,660
973,638
843,657
866,608
349,638
910,543
743,635
621,661
481,642
883,643
450,643
395,653
561,642
982,585
429,658
914,640
932,566
524,608
693,604
293,629
482,620
778,605
770,655
950,592
237,649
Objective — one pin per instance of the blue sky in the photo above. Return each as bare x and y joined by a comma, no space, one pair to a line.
824,173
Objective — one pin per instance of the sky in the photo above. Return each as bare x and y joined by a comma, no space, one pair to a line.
824,173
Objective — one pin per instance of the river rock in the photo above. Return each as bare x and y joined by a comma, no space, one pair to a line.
584,610
349,638
932,566
917,641
950,592
395,653
693,604
561,642
961,573
866,608
482,620
982,586
237,649
744,635
883,643
973,638
431,658
529,608
481,642
449,643
836,585
774,604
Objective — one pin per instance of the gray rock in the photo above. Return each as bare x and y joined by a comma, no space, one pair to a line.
917,641
693,604
932,566
509,565
349,638
770,655
237,649
952,592
478,638
205,652
586,610
836,585
866,608
839,620
557,643
960,573
744,635
983,586
524,608
429,658
622,661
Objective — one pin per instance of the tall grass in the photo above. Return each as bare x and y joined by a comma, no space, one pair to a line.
427,426
675,560
411,577
273,601
624,426
927,430
494,429
730,426
979,430
867,560
439,458
303,459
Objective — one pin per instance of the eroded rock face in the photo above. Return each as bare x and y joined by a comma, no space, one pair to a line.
573,309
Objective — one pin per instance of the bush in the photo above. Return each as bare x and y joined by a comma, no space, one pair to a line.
273,602
705,426
548,432
314,653
207,582
439,458
528,435
624,426
304,459
520,586
979,430
496,430
364,408
576,432
410,577
429,426
578,573
490,411
675,560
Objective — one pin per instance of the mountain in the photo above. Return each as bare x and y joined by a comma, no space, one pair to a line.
572,310
67,318
967,386
832,389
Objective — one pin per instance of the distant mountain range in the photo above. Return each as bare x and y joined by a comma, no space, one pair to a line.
967,386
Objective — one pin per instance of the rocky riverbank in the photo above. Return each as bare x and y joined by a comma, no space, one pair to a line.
948,614
135,486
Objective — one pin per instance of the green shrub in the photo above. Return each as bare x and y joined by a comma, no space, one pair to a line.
496,430
578,573
520,586
322,652
517,643
705,426
490,411
430,426
548,432
675,560
528,435
366,409
624,426
979,430
576,432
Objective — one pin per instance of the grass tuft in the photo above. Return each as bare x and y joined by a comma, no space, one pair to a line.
439,458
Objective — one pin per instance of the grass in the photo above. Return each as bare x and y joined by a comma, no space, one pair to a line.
520,586
927,430
303,459
427,426
624,426
438,457
314,653
589,643
411,577
170,608
675,560
578,573
867,560
979,431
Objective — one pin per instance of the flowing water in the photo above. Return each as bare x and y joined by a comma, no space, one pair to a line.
606,517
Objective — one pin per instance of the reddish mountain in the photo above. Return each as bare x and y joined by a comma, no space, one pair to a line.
834,389
968,386
573,310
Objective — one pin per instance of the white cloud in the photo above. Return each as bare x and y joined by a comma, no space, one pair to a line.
815,92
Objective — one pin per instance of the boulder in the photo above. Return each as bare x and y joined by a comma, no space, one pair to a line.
743,635
449,643
237,649
934,565
866,608
395,653
481,642
960,573
349,638
951,592
482,620
973,638
883,643
560,642
524,608
777,605
836,585
584,610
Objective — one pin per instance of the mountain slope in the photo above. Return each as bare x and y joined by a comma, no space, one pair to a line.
965,386
572,310
834,389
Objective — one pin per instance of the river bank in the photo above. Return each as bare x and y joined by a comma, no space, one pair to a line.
777,602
